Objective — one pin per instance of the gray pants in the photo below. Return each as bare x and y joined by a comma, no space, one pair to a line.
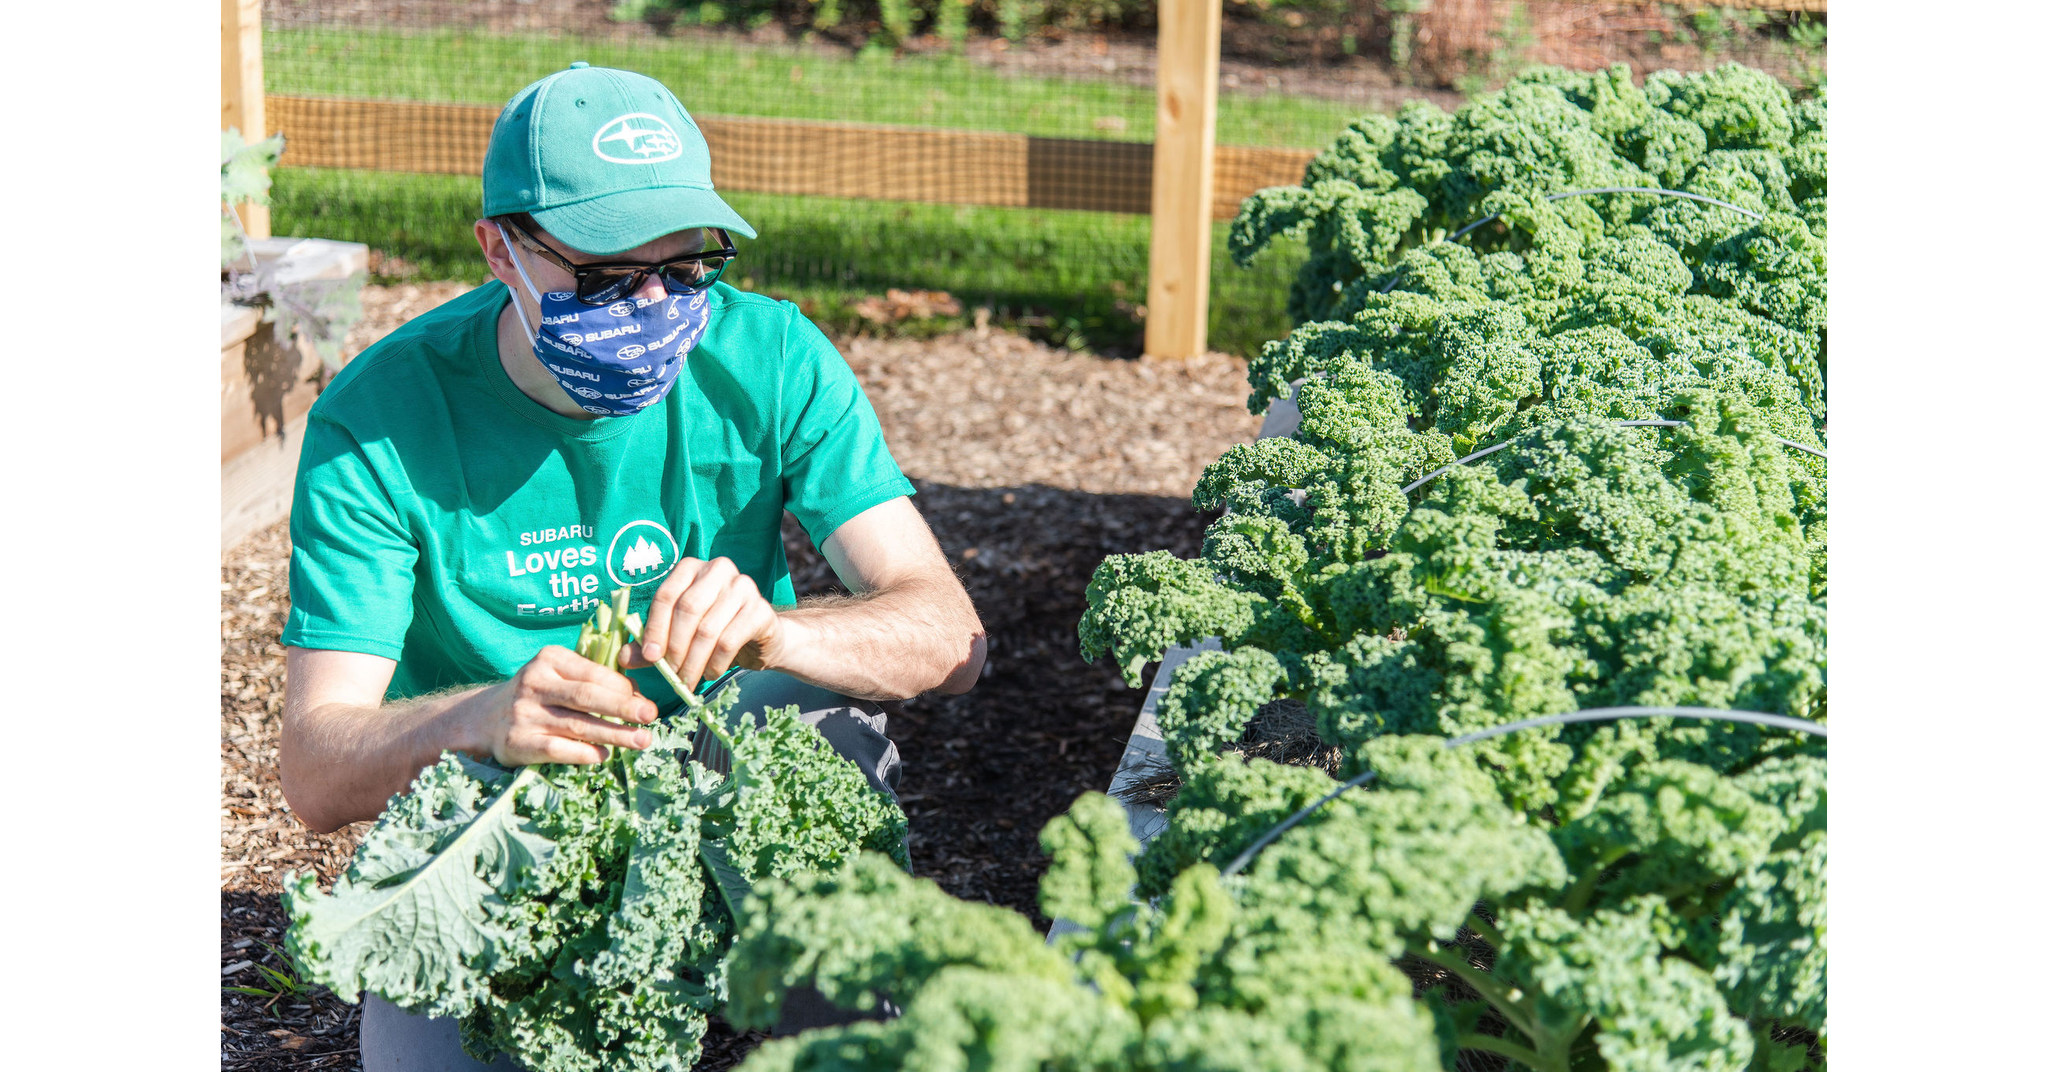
394,1040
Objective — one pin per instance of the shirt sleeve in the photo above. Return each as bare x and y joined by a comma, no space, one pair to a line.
352,555
835,463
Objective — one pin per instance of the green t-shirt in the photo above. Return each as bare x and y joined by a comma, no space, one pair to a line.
444,520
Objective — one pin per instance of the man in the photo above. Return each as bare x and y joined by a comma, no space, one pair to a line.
605,414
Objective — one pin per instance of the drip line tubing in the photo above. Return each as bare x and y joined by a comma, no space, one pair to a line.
1593,714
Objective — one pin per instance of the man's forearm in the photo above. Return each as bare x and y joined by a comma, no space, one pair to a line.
890,644
340,764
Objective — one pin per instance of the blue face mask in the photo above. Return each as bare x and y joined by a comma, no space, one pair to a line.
613,359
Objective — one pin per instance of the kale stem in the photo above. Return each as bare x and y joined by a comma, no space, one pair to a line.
1297,603
1495,1044
1488,988
718,730
632,622
1487,932
1582,890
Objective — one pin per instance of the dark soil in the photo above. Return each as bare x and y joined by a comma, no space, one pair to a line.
1031,464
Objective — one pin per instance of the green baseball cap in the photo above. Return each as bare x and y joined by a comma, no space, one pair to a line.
604,160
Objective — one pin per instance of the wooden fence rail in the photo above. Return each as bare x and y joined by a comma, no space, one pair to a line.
857,160
241,90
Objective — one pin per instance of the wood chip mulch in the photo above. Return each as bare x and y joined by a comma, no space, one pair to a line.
1031,464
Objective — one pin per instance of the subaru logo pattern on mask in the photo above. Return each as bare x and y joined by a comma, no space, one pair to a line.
615,359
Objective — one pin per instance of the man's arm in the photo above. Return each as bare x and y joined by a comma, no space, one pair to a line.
344,752
908,628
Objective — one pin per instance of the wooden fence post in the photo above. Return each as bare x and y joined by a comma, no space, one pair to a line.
1183,178
241,88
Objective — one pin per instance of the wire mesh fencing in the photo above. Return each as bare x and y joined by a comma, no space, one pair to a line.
1014,192
979,176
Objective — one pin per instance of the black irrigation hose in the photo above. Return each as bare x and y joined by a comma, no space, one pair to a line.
1625,424
1658,191
1593,714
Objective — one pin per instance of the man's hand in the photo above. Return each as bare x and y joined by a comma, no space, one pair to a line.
344,751
707,616
547,712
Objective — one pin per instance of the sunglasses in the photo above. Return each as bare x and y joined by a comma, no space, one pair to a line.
605,282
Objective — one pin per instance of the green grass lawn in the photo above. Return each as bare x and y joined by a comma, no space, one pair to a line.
1074,278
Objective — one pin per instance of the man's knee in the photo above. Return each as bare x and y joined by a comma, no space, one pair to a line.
859,731
392,1039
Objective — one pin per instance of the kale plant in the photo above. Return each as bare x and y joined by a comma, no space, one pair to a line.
578,917
1676,919
1571,460
1198,981
1586,564
1394,185
1664,928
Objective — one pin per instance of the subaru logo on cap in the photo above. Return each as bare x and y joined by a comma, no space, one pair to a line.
636,138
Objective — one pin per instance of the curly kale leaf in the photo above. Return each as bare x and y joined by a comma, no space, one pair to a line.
567,913
1608,969
967,1017
868,932
791,804
1213,697
608,979
1391,187
1089,881
1382,860
1597,576
1764,937
1191,982
1141,605
421,915
1584,565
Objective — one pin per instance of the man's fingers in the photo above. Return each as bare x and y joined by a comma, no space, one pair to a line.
533,744
661,612
683,600
601,699
569,680
753,623
692,606
576,726
566,750
711,630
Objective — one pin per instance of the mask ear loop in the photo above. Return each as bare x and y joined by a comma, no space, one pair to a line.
532,337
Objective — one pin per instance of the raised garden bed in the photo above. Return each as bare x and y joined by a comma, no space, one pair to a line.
268,383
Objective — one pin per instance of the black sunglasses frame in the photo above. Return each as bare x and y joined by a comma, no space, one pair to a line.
590,291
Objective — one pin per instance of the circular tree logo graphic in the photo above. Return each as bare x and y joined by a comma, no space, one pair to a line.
641,552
